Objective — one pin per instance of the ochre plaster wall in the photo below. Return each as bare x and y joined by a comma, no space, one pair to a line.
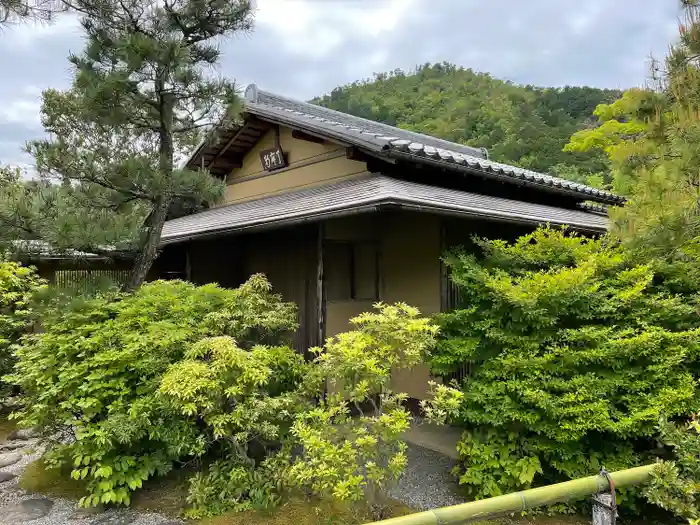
309,164
409,272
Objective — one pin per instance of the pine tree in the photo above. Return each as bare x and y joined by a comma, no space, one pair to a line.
652,137
12,11
143,93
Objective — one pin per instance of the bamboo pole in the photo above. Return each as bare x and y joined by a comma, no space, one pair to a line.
519,501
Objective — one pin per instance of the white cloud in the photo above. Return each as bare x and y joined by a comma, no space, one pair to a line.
296,27
318,28
24,109
385,16
41,35
583,19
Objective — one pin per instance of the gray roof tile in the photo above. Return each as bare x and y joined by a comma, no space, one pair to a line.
392,141
370,193
381,134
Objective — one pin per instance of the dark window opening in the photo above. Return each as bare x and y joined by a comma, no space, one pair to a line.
351,271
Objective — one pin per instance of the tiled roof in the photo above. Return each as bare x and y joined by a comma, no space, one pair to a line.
376,133
394,142
367,194
42,250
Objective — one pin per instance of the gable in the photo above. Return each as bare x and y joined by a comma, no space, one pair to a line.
396,144
295,149
309,164
228,154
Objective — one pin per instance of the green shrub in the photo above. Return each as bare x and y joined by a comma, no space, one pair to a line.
355,455
231,485
245,402
126,386
576,352
498,463
18,287
94,376
675,486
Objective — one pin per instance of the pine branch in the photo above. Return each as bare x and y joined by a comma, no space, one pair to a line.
79,174
133,21
141,92
193,127
19,10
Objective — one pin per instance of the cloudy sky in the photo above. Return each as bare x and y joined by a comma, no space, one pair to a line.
303,48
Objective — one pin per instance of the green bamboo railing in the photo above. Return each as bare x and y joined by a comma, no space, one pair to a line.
527,499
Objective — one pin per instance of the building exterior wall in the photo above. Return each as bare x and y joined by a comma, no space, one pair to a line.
288,259
411,260
409,272
216,260
359,228
309,164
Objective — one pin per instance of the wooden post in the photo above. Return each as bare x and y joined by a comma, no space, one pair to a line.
603,511
276,130
320,290
321,295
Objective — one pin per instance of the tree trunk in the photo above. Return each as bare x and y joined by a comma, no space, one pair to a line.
149,249
154,223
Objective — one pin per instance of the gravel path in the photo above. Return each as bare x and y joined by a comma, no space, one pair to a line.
17,507
427,482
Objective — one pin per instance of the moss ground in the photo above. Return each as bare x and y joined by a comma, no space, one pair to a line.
301,512
6,427
167,496
37,478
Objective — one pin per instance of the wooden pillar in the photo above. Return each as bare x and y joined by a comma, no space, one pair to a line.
320,288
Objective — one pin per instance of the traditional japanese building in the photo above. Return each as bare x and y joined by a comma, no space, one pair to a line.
340,212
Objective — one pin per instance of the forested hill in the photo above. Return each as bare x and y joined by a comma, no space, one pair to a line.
523,125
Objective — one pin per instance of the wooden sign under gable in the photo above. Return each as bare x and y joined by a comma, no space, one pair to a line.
273,159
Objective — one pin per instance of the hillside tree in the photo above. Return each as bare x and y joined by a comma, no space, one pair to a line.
143,93
652,138
523,125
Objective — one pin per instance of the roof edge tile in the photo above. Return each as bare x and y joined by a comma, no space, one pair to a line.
412,146
367,193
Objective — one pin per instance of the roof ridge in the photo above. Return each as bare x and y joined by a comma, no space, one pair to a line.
409,145
255,95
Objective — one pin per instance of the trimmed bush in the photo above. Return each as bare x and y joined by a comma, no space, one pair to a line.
577,352
18,287
92,379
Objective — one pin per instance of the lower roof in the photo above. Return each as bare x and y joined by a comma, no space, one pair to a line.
369,193
36,250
